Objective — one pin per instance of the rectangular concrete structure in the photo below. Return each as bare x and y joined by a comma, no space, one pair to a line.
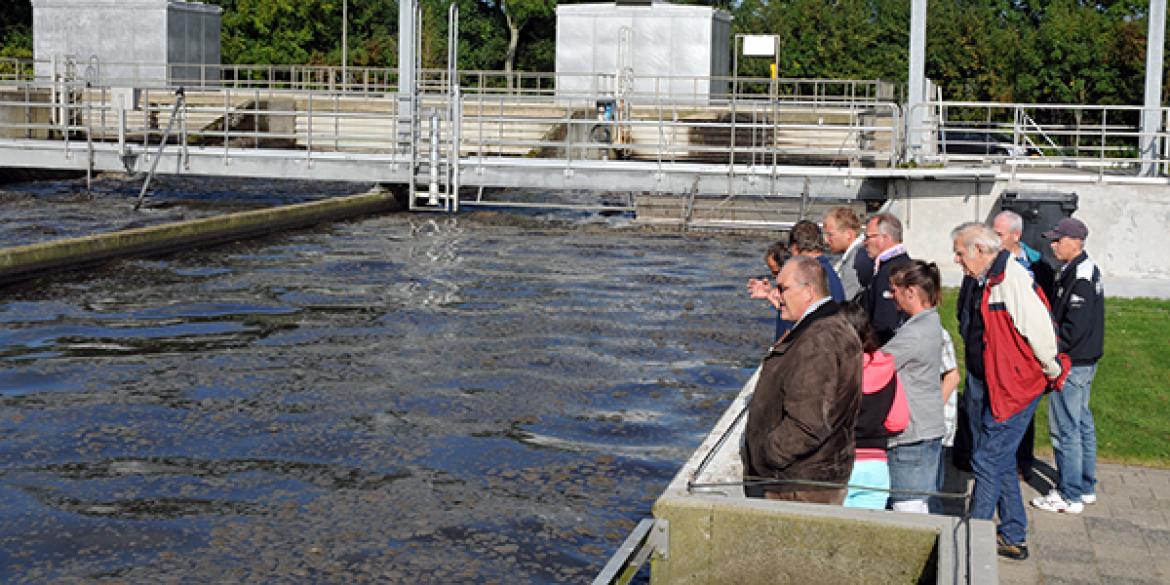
665,41
127,42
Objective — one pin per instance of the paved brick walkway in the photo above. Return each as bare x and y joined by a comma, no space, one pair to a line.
1122,539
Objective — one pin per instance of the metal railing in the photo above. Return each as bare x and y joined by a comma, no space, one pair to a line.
492,124
1107,140
381,80
12,69
534,128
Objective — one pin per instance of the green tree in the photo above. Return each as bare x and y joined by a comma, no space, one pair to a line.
516,15
16,29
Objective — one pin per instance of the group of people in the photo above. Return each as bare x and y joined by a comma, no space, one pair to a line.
856,402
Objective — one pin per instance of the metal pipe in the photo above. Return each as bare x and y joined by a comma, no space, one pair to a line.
433,189
915,138
1151,113
161,144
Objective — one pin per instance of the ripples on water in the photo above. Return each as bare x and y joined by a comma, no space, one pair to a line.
402,398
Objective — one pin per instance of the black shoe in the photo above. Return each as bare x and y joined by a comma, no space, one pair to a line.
1015,552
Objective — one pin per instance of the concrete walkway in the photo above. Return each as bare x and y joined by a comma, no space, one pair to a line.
1122,539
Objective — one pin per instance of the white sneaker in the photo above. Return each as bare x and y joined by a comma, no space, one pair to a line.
1053,502
1087,499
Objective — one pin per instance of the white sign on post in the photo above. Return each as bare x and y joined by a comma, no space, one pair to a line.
759,45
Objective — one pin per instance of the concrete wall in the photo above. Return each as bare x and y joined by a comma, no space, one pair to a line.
715,535
122,42
756,541
1125,223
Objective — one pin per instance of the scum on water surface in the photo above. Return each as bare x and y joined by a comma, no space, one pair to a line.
482,397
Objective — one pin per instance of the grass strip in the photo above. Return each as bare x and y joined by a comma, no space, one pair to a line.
1130,396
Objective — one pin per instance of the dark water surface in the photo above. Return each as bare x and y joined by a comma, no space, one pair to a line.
404,398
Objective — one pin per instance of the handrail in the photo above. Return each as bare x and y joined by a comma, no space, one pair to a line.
512,131
382,80
162,143
1105,138
505,126
623,566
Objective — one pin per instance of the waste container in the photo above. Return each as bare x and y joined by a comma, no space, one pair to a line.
1040,210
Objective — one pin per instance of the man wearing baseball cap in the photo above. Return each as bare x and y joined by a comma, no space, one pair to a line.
1078,308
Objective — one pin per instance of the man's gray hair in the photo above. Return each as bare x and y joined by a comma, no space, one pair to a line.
1014,221
889,224
809,270
973,235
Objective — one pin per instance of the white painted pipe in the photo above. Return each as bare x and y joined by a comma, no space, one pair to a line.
434,186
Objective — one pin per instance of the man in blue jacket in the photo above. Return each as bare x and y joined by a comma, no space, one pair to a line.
1079,311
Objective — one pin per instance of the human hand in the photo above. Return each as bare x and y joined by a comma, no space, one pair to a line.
1057,384
774,297
759,288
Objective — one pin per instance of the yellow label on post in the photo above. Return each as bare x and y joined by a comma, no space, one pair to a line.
772,66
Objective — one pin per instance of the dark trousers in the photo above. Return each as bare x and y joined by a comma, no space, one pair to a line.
1024,455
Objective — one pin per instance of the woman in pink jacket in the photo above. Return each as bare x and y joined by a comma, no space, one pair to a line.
884,413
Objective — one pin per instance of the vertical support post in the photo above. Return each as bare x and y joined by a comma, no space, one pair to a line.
344,43
184,162
53,89
227,118
1151,111
915,131
454,111
456,141
121,127
89,144
406,70
433,188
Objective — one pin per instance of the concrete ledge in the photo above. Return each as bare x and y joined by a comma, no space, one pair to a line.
23,261
758,541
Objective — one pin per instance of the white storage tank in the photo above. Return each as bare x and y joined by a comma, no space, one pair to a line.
127,42
671,50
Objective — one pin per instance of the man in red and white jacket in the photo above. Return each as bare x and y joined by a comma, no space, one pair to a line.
1012,355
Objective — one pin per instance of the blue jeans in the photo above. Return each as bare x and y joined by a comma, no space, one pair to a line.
914,467
976,396
997,487
1074,436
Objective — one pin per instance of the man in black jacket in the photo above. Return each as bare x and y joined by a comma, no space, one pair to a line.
1078,308
883,243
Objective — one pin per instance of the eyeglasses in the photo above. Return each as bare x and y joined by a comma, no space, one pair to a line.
781,287
872,236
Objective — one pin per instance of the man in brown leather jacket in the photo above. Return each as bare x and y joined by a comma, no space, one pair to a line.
799,437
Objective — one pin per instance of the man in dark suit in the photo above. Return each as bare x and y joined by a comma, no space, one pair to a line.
883,243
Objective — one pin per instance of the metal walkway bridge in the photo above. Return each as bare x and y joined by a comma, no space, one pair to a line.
471,134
